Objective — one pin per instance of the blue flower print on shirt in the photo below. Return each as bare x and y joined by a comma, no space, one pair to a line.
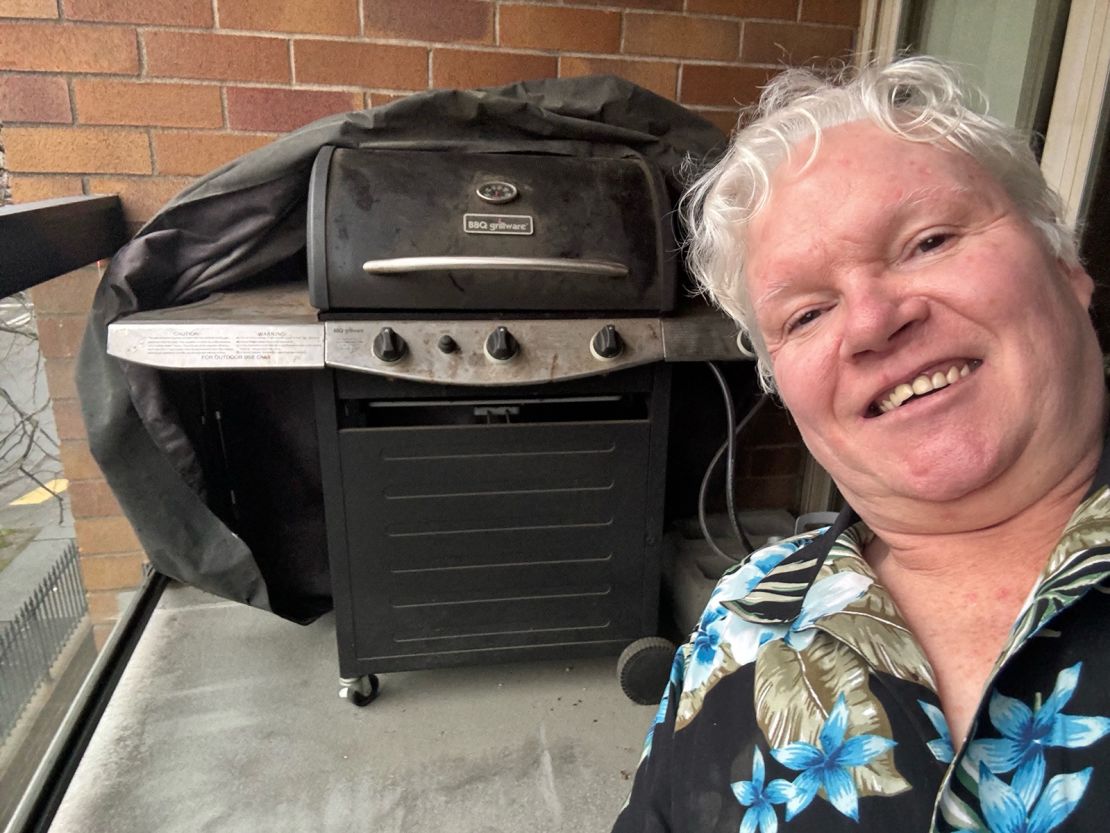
940,747
708,635
1006,810
827,766
760,799
1027,732
705,646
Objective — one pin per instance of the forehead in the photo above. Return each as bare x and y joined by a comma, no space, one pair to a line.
859,178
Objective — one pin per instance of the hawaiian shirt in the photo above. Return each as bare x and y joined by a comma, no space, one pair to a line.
802,701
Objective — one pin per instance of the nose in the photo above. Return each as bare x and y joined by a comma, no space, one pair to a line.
880,317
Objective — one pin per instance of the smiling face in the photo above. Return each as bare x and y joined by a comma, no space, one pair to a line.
928,346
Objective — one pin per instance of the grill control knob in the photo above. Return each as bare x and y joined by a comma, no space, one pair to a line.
607,343
388,346
501,346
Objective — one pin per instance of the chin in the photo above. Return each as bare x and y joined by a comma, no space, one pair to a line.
927,474
947,477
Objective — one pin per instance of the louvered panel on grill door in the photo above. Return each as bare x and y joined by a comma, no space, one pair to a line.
477,537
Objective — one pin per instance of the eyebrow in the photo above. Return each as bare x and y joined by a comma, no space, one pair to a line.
776,288
919,195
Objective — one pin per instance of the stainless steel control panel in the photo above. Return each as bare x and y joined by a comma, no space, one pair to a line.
274,327
488,352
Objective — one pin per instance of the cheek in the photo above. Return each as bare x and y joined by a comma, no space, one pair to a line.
805,384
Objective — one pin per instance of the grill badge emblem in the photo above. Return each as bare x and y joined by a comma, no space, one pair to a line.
497,192
497,224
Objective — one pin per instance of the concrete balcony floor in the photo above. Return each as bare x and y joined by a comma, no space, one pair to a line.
228,719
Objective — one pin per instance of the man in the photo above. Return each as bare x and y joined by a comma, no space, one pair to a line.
938,658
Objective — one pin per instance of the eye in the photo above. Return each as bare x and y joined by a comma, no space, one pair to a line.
933,242
807,317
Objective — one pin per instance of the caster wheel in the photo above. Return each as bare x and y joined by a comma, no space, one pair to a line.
359,691
644,668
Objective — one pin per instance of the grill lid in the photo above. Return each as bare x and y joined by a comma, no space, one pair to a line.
429,230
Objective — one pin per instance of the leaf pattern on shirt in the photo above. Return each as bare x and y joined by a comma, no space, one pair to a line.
1071,570
690,701
795,691
873,626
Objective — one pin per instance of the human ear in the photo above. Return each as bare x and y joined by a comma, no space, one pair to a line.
1080,283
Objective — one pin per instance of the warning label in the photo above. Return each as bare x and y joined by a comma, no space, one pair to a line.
218,345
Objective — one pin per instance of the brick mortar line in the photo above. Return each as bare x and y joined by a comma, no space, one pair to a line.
74,22
555,53
301,35
684,12
140,81
141,46
119,128
150,151
214,131
631,57
299,88
215,28
85,124
225,118
72,93
137,178
265,86
318,87
143,28
564,53
53,73
163,129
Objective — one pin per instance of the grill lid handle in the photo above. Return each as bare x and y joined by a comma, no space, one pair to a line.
400,265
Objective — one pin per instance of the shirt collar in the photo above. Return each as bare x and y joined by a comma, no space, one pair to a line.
778,598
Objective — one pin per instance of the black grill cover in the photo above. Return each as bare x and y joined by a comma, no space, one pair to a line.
247,218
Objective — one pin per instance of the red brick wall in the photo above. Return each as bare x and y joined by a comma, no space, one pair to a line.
136,97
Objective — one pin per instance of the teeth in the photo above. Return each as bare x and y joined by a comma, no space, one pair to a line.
921,385
901,394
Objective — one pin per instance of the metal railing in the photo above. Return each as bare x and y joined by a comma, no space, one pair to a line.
32,642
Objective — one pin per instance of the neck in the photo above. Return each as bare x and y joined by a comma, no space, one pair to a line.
957,548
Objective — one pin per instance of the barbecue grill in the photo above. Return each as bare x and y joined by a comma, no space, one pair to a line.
490,336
